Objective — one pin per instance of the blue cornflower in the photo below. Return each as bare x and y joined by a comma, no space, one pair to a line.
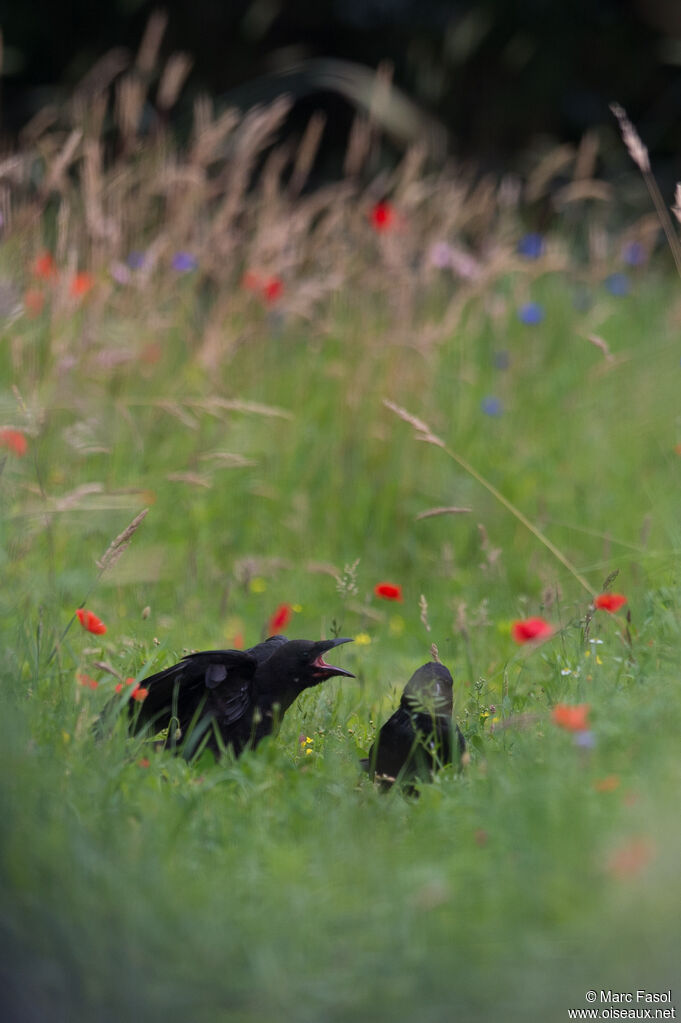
585,739
531,245
634,254
618,284
491,406
531,313
136,260
184,262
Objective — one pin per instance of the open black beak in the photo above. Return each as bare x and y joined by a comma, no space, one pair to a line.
324,670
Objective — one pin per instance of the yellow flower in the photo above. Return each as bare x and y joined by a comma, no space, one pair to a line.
308,740
308,751
66,738
598,660
297,608
258,585
362,639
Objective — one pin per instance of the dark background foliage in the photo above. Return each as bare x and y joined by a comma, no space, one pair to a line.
501,74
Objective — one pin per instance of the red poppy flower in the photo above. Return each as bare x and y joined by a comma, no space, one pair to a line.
529,630
607,784
251,281
272,289
572,717
128,682
382,216
238,641
631,858
388,591
87,682
139,693
280,619
144,762
610,602
91,622
44,267
34,302
14,441
81,284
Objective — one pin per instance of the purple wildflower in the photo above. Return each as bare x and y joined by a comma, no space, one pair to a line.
618,284
585,739
120,272
184,262
440,255
491,406
531,245
463,264
633,254
136,260
531,313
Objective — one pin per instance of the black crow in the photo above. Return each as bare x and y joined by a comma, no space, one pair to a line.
240,695
421,736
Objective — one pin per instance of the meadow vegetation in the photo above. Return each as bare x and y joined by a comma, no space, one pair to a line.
288,378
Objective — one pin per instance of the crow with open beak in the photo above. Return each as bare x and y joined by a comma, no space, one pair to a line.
231,698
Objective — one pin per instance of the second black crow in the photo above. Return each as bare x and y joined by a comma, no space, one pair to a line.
421,736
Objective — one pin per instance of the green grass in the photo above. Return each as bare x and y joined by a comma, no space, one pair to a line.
284,886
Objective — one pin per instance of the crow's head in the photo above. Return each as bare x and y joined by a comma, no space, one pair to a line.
300,663
429,690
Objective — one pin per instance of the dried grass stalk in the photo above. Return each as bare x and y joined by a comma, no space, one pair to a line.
601,345
307,150
632,140
451,510
359,143
120,544
585,163
676,208
54,180
173,78
192,478
555,161
151,41
423,431
639,154
129,102
586,188
423,609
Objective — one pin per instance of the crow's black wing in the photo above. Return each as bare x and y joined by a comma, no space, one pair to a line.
263,651
217,681
414,744
393,745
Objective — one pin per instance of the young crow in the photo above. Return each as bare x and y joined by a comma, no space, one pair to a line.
240,695
420,737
